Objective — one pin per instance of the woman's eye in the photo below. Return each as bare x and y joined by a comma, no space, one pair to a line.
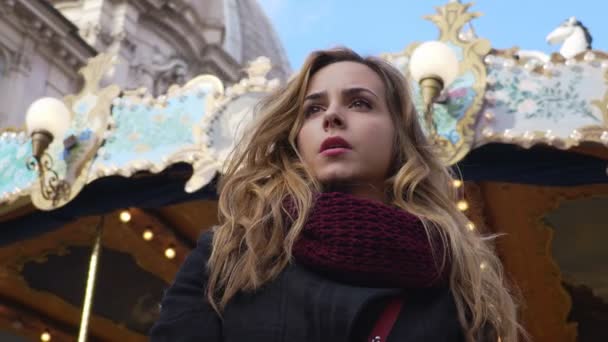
361,104
312,110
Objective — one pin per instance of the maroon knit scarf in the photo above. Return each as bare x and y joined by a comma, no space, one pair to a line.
368,243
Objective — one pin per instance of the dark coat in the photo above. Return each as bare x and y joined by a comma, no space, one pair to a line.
299,306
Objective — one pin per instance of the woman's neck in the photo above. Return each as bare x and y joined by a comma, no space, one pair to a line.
361,190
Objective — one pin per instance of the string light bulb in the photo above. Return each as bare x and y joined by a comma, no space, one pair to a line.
45,336
462,205
170,252
457,183
471,226
125,216
148,235
483,265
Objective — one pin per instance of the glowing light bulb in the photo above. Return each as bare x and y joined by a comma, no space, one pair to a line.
462,205
471,226
170,253
45,336
483,265
148,235
457,183
125,216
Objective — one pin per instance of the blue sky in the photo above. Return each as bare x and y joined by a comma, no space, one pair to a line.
372,27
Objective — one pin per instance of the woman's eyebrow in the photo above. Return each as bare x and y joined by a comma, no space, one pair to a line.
357,90
345,92
315,96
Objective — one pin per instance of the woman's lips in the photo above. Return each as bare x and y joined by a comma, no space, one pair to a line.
334,142
335,151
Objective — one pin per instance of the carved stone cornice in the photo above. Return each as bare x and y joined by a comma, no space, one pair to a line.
47,27
218,62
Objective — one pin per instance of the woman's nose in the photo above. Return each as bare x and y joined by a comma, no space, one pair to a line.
333,120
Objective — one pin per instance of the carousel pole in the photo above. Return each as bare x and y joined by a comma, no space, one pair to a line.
91,278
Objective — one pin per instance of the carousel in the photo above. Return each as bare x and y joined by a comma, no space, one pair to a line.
105,192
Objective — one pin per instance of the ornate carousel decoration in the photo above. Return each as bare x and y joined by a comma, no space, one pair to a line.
66,134
103,132
511,96
560,100
451,109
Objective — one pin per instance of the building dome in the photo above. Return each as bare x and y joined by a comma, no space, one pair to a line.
248,31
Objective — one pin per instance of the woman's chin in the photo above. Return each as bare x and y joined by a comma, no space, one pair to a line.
337,184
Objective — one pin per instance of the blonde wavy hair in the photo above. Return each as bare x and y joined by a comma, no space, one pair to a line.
253,242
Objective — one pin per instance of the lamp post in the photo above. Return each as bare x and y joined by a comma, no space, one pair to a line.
433,65
46,119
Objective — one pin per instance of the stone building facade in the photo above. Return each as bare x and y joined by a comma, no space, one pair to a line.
157,43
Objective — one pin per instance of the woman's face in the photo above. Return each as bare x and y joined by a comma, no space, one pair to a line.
347,100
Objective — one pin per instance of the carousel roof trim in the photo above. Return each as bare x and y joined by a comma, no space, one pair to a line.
499,96
196,123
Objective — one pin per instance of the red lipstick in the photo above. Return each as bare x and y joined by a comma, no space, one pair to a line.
334,145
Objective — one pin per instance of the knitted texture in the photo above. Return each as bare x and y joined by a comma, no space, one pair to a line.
368,243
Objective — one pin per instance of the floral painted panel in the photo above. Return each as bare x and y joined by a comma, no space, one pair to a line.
15,150
519,100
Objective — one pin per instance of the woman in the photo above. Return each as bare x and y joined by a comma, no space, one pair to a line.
338,223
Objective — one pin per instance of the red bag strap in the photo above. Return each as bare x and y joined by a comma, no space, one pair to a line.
387,319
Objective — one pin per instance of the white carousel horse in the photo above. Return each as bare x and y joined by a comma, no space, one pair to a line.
573,35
